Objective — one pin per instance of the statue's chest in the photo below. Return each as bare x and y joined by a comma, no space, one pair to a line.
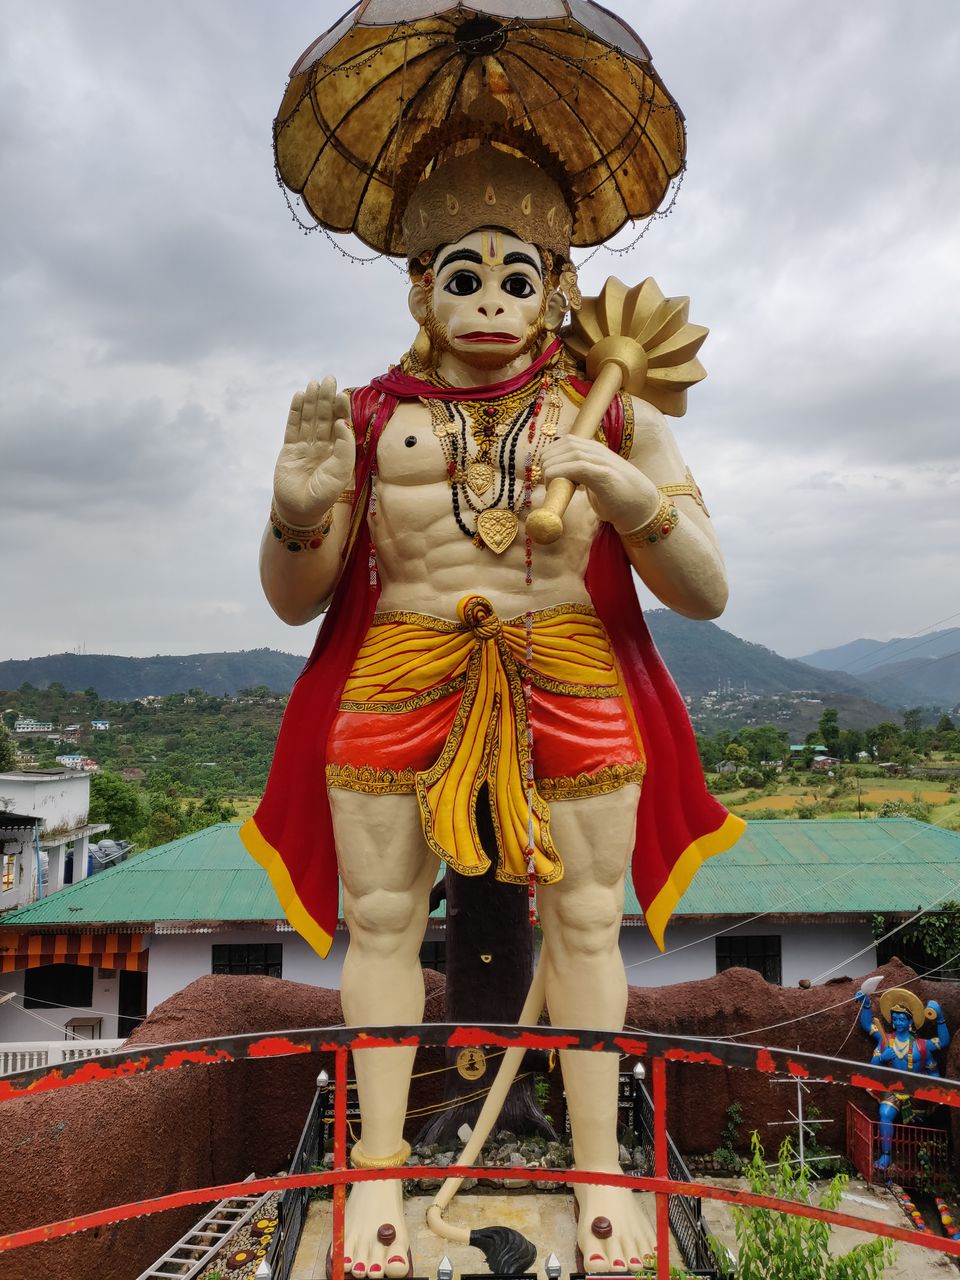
409,452
486,448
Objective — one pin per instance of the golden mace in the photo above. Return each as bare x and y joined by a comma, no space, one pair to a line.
630,339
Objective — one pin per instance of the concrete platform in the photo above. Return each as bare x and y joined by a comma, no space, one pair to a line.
547,1220
863,1201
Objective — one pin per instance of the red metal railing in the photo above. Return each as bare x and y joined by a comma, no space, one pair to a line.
918,1154
340,1041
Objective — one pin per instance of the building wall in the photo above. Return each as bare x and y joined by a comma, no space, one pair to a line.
17,1024
807,950
60,799
177,959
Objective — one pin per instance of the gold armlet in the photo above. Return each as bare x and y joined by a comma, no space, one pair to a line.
689,488
360,1160
295,539
661,524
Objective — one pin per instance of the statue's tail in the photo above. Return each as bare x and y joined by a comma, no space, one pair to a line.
506,1251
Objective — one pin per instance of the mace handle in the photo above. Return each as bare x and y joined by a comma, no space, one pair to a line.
546,523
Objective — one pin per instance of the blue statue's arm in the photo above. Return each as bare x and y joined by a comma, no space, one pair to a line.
942,1039
866,1018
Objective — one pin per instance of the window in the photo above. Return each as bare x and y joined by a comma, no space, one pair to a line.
58,986
254,957
433,955
759,951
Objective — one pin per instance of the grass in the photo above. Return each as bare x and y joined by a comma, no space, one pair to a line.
817,791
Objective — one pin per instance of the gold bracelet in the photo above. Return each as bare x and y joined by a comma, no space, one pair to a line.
661,524
296,539
347,497
360,1160
690,488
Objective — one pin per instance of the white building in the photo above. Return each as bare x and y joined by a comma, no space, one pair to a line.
26,724
44,833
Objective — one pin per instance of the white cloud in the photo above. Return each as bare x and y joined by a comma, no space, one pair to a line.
157,309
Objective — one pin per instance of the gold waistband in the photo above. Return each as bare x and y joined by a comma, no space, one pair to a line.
408,660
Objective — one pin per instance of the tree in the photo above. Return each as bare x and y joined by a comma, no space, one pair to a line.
8,752
166,822
852,742
828,727
764,743
883,740
120,803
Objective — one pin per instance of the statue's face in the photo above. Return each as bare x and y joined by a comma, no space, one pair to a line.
901,1023
485,298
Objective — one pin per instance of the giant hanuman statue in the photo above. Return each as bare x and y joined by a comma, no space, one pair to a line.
470,655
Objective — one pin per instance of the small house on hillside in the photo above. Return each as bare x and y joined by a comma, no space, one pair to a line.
793,900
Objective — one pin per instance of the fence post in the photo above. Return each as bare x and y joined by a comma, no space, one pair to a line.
660,1166
339,1157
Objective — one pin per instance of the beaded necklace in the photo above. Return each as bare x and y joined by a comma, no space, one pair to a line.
480,441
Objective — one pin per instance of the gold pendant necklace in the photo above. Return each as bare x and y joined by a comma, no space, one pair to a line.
497,527
494,428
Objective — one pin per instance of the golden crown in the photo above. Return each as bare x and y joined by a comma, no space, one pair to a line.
487,187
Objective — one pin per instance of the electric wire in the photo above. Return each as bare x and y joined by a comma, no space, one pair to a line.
896,654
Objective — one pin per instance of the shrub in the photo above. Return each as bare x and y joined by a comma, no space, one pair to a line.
781,1246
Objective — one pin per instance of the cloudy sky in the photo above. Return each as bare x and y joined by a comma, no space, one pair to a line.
158,308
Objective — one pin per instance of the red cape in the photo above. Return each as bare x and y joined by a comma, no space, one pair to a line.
679,824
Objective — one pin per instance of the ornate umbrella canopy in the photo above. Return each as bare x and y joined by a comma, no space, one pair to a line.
396,85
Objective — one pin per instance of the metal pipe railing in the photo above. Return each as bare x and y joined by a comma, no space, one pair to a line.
658,1050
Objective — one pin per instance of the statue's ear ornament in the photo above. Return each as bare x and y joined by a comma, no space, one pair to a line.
570,288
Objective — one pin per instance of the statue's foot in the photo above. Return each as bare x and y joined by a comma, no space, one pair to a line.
883,1163
376,1244
613,1232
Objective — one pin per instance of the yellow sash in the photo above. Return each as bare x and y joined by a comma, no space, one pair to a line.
408,660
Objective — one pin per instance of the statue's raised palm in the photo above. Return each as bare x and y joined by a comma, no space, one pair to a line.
316,461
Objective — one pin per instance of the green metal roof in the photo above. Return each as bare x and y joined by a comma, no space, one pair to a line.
829,867
205,876
791,867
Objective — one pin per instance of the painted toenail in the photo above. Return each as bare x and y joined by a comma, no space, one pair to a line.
396,1258
617,1262
596,1257
636,1262
376,1267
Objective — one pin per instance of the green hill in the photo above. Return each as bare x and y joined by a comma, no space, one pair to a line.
123,679
704,658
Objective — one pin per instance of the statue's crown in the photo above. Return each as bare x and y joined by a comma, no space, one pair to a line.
487,187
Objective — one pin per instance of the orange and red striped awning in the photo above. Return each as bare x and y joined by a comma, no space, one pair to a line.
105,950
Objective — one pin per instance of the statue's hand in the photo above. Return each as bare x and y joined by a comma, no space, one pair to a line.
861,997
316,461
619,492
935,1006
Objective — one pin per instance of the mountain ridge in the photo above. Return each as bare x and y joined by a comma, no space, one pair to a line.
701,656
